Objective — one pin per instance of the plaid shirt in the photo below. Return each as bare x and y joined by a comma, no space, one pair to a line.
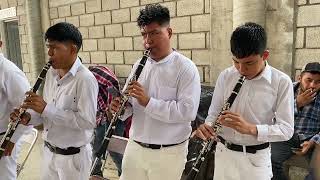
106,79
307,118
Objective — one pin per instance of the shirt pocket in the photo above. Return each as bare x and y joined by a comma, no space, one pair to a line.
167,93
69,102
263,101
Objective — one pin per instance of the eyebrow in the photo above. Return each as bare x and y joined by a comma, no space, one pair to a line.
248,62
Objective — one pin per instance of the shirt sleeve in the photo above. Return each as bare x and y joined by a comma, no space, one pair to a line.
36,119
184,108
85,116
283,128
316,138
16,87
217,100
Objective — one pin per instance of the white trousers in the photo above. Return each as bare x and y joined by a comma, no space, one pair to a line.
233,165
8,164
141,163
67,167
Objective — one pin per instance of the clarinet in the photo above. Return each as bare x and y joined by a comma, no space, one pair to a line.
12,126
207,146
113,122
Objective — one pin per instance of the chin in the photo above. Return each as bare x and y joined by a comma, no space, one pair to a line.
54,66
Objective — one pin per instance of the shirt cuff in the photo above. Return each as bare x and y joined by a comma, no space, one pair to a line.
262,133
49,111
209,123
21,129
316,139
149,108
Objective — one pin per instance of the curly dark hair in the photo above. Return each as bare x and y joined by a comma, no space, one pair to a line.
64,32
153,13
248,39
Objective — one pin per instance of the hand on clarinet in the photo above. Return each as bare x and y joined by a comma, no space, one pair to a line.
238,123
35,102
24,118
115,105
136,90
9,148
205,132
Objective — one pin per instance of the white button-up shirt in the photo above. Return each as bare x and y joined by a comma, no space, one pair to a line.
173,85
266,101
70,115
13,86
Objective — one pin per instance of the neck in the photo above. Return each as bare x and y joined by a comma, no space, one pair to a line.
62,72
160,57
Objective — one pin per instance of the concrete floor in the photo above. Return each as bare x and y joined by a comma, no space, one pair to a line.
32,169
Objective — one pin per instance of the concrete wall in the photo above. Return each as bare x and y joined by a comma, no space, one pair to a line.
112,38
23,32
307,36
202,30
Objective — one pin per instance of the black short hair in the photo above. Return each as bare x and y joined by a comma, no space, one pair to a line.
64,32
153,13
248,39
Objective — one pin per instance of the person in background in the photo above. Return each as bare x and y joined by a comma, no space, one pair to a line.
106,80
306,121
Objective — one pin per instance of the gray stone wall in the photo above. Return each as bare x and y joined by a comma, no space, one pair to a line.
307,37
112,38
202,30
23,31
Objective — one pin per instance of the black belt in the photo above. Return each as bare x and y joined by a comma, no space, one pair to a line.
2,133
57,150
156,146
250,149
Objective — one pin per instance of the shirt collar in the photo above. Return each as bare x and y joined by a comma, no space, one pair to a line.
74,68
266,74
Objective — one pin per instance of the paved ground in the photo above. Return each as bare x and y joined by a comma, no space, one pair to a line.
31,169
32,166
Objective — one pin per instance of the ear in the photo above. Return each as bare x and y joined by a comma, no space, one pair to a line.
169,29
265,55
298,78
73,49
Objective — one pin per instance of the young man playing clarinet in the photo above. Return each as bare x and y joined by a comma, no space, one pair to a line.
13,86
165,100
67,109
261,113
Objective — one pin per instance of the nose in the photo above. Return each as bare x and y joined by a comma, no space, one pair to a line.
147,39
313,85
242,68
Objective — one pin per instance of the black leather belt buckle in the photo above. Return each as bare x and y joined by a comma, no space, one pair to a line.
57,150
151,146
239,148
156,146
